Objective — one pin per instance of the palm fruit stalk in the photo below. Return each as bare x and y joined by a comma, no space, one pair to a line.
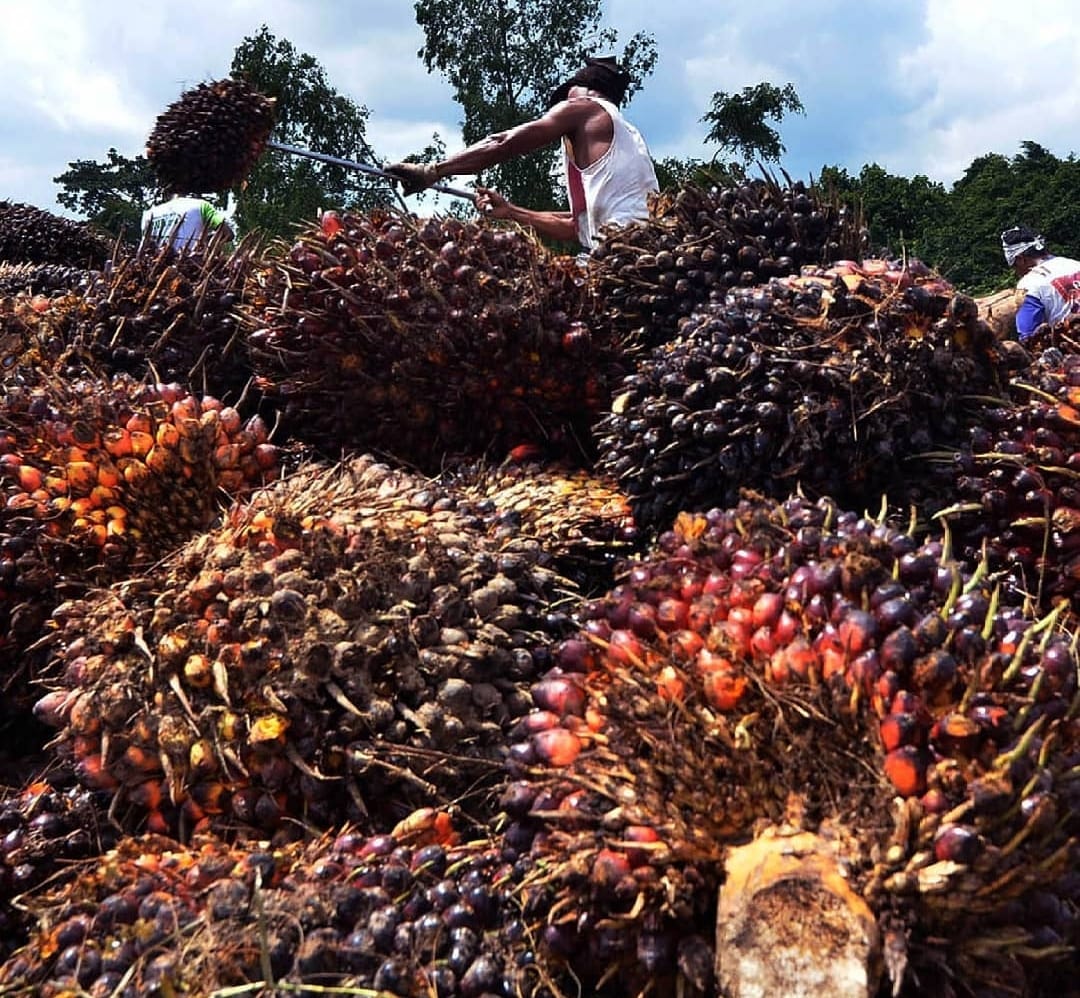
167,315
428,339
1017,486
414,912
791,666
42,278
44,828
581,520
209,138
831,385
344,647
31,235
101,479
699,243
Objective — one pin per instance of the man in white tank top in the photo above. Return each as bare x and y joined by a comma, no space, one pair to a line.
608,170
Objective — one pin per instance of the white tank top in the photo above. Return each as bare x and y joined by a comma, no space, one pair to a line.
615,186
1056,283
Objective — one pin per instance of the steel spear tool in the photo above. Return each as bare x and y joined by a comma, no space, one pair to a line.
373,171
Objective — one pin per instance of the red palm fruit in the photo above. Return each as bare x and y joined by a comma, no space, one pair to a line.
609,867
557,746
625,648
671,614
857,631
684,645
559,694
91,772
900,729
906,769
763,642
767,609
724,691
642,834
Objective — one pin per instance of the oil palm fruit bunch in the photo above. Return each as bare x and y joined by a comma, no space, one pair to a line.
789,664
169,315
104,477
31,235
42,829
210,137
428,338
700,242
807,382
41,278
342,648
1016,488
581,520
412,912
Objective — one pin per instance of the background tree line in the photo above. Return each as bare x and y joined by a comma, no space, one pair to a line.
486,50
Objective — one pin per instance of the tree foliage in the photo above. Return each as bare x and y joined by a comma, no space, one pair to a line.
504,58
957,230
740,121
111,195
283,190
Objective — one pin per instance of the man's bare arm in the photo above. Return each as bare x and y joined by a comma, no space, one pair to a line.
561,120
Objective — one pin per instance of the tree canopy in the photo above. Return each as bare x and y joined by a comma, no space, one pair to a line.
956,230
111,195
505,58
740,121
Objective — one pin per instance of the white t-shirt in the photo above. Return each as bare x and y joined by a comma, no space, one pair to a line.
1056,283
616,186
180,221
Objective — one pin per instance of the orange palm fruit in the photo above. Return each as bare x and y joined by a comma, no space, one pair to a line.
81,475
118,442
141,442
30,478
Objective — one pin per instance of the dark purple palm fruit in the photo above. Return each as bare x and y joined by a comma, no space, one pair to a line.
210,137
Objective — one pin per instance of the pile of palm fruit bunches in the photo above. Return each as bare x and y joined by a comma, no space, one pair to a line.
408,610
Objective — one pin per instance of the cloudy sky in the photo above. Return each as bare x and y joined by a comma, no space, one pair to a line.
918,87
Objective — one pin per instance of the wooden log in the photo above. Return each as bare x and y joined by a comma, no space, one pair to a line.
789,923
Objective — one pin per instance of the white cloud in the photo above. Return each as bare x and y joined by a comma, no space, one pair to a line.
985,79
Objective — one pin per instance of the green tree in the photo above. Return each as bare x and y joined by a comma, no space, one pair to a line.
740,121
505,57
111,195
284,190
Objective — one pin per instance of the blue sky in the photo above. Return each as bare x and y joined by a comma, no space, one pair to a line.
916,87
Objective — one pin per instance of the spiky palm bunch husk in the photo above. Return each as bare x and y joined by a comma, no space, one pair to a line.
31,235
791,664
822,383
581,520
42,278
167,315
429,340
413,912
343,647
1016,486
44,829
210,137
100,479
700,243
